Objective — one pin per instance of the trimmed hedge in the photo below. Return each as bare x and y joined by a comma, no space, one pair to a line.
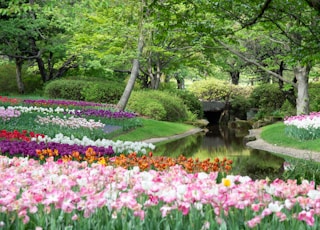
83,90
65,89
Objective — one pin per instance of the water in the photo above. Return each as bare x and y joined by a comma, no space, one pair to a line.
221,142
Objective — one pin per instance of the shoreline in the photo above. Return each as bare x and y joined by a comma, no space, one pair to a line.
260,144
174,137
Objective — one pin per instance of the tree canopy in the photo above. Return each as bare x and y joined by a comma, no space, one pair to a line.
168,39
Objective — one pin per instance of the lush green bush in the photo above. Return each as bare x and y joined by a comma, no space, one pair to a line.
314,89
103,92
193,104
96,91
239,107
267,98
158,105
66,89
211,90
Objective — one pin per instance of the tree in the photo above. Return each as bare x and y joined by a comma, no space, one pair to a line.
295,27
30,31
136,62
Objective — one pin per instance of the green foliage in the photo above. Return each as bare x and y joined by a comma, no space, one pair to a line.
302,170
8,83
191,101
211,89
314,96
103,92
287,109
95,90
158,105
240,106
267,98
66,89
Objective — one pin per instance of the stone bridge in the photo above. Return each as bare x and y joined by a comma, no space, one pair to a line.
212,110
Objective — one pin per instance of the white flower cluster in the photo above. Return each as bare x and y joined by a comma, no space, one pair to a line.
304,122
70,122
31,109
117,146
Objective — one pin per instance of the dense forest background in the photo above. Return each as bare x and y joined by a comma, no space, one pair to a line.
150,43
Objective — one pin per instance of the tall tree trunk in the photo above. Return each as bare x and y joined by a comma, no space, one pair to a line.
302,74
135,67
19,63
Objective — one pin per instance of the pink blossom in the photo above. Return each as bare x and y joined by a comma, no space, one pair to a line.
307,217
281,216
254,222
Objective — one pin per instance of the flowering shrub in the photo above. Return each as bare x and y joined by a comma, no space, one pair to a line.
303,127
81,197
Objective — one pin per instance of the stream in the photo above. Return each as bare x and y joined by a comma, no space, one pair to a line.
221,142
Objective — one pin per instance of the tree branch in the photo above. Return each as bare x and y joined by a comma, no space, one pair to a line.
254,63
262,10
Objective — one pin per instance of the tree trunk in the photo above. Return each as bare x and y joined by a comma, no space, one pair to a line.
235,76
19,63
42,70
134,73
158,75
302,74
180,83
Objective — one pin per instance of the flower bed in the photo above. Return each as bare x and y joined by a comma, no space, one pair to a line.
74,194
303,127
68,182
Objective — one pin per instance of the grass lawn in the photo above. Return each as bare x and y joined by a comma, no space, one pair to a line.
275,134
152,129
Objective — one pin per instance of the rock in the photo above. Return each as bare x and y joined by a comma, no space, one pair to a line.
248,138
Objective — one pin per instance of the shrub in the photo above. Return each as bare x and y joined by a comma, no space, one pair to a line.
193,104
103,92
165,106
314,96
66,89
240,106
210,90
267,98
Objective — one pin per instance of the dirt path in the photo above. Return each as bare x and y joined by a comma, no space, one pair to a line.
297,153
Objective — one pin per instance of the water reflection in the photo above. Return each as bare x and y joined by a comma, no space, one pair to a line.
223,142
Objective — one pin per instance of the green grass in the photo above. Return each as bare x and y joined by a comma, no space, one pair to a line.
153,129
275,134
